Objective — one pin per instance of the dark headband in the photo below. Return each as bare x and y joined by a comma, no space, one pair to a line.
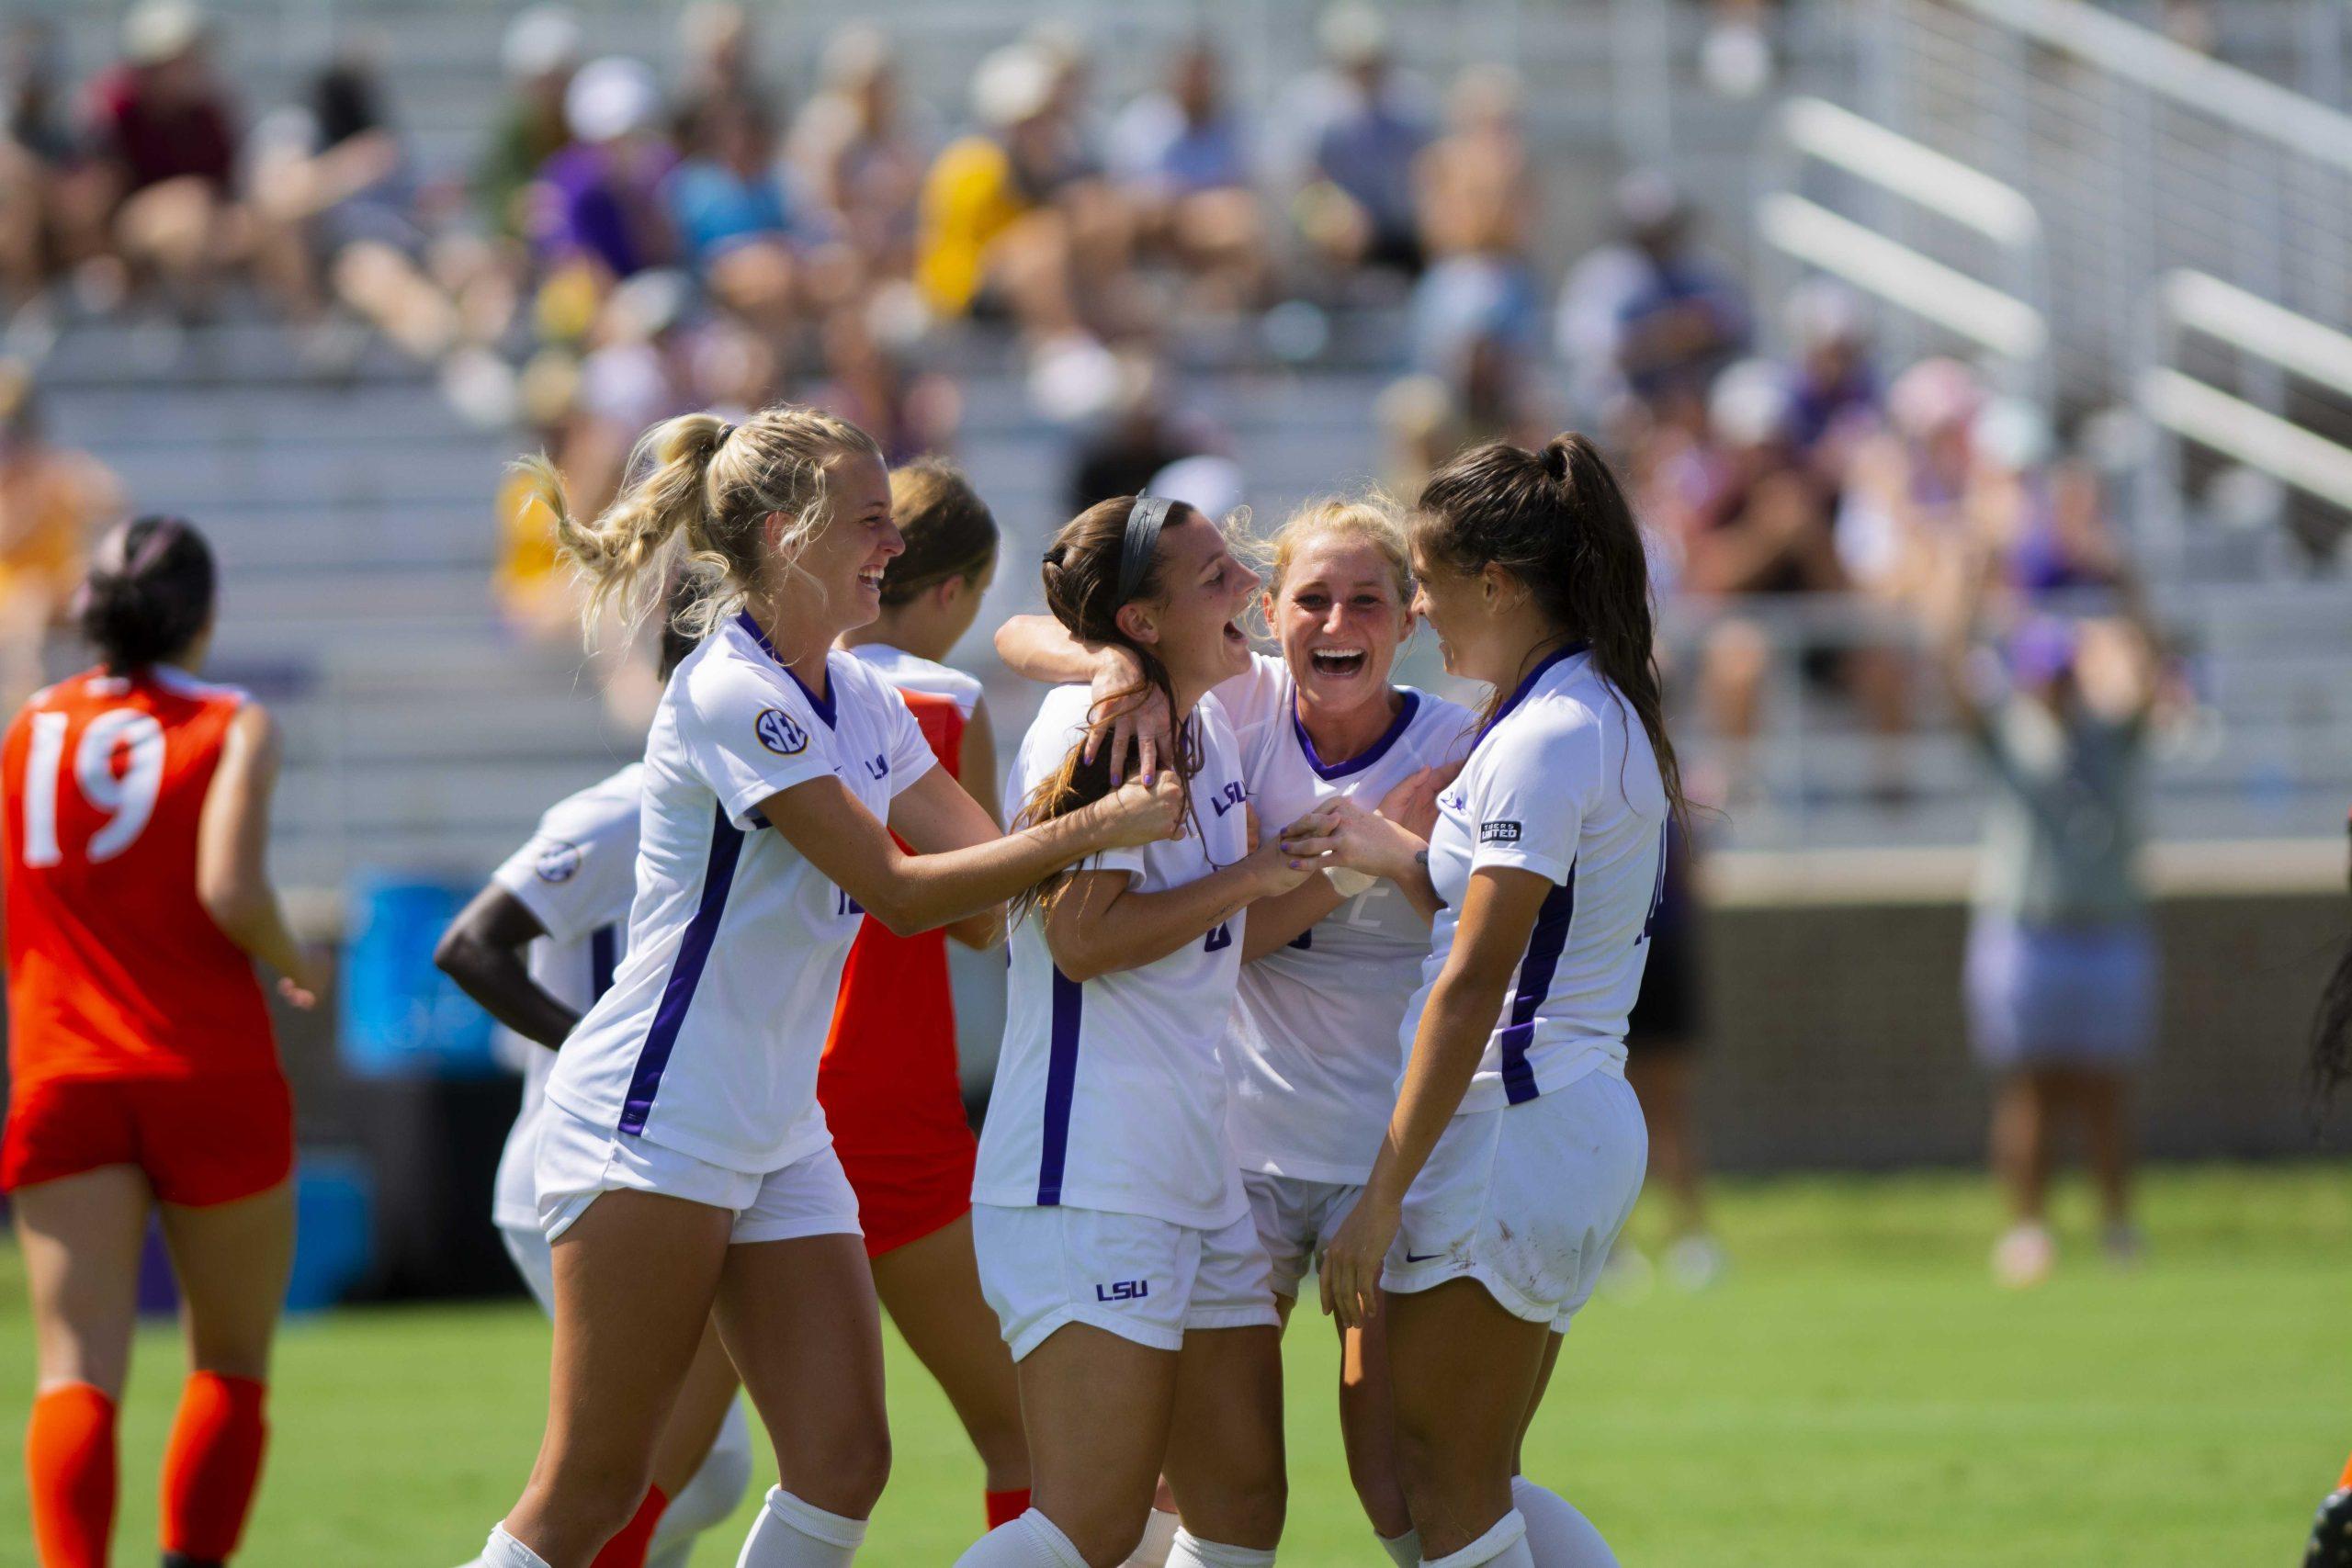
1145,519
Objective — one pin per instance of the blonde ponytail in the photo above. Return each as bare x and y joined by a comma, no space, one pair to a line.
703,490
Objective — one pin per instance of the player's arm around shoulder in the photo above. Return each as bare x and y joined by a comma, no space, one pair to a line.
232,856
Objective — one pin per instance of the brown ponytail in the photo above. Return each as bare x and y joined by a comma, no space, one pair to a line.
1557,520
1082,575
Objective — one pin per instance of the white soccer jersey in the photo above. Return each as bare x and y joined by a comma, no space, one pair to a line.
1109,1094
709,1040
1561,782
576,874
1312,1046
912,673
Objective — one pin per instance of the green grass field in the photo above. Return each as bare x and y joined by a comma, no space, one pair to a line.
1854,1393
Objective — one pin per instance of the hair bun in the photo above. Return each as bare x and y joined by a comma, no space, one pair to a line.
1553,458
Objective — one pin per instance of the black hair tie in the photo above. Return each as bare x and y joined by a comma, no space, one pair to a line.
1144,520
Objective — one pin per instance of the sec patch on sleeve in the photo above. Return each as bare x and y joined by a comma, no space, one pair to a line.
558,863
1498,833
779,732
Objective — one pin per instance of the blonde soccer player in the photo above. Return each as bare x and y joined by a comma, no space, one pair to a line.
685,1167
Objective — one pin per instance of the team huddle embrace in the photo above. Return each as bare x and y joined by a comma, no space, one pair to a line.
1309,971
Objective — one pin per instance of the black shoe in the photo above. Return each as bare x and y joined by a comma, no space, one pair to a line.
2331,1542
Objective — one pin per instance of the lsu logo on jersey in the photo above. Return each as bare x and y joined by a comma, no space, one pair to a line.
1123,1291
1229,797
777,733
559,862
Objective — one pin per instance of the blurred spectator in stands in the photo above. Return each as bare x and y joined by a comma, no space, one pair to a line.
639,372
722,72
874,380
1138,435
733,218
1359,127
2040,517
334,195
165,129
598,201
1420,427
1906,489
1648,316
858,160
1835,391
540,53
53,195
1735,56
1748,519
2061,970
991,243
1178,156
1477,202
52,501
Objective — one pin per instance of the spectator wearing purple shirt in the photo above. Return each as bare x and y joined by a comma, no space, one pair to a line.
599,200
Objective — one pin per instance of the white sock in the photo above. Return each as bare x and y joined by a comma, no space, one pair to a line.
710,1493
1190,1552
1504,1546
1558,1535
1158,1540
1404,1550
1032,1541
790,1533
505,1551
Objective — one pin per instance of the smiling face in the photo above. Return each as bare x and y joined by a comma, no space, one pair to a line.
1339,615
842,567
1194,627
1455,604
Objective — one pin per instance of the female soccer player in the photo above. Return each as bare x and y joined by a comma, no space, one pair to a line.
1326,976
889,1083
1114,1239
144,1075
536,947
683,1164
1516,1150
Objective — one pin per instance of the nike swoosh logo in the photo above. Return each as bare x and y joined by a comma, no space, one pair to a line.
1421,1257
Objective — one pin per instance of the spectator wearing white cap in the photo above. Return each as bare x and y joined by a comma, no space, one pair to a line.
599,200
1906,489
168,135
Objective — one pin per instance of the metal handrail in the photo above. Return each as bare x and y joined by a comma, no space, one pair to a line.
2011,322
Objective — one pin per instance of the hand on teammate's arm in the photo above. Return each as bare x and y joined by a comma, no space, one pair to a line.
1499,913
482,950
1342,834
1100,925
911,893
232,860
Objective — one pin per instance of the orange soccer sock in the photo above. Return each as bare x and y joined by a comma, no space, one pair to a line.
70,1465
2346,1481
627,1549
1006,1507
212,1466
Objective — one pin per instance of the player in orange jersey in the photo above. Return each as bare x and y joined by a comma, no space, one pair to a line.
134,814
889,1082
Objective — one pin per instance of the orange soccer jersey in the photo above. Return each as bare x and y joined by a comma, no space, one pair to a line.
115,967
889,1080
